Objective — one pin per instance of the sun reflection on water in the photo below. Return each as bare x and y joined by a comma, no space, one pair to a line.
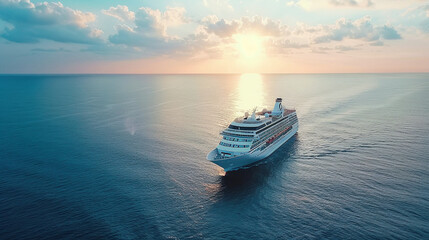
250,93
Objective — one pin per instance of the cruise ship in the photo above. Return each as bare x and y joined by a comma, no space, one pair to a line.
250,139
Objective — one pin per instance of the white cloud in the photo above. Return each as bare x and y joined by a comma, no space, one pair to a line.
15,11
352,3
150,31
48,20
375,4
147,30
214,37
344,48
424,25
222,28
174,16
421,13
263,26
155,21
120,12
359,29
252,25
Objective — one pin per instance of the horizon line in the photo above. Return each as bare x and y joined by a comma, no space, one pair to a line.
236,73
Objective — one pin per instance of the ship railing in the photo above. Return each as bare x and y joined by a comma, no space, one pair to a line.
265,143
243,134
220,156
238,131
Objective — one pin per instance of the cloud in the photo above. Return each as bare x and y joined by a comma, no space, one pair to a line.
262,26
154,21
211,38
389,33
120,12
149,34
343,48
214,37
50,50
352,3
201,45
145,32
286,43
424,26
51,21
378,43
376,4
281,39
423,12
254,25
419,15
359,29
129,37
284,46
302,28
222,28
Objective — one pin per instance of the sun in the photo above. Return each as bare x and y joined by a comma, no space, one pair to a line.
250,47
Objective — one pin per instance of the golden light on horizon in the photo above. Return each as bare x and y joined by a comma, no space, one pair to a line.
250,92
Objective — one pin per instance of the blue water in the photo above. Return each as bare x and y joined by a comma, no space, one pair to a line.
123,157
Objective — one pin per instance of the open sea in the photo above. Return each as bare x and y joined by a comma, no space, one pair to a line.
124,157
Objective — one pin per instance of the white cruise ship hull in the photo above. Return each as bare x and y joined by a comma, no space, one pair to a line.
243,161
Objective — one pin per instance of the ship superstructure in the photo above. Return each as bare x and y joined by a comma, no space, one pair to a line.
252,138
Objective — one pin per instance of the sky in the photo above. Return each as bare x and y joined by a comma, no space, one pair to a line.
214,36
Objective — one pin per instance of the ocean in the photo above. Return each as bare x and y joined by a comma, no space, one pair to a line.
124,157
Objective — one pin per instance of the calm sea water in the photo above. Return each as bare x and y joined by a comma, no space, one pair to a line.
123,157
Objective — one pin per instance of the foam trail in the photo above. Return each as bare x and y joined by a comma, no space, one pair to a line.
130,125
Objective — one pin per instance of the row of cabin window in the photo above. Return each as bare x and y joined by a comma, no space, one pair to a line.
282,124
274,124
246,128
238,135
268,133
274,129
237,139
233,145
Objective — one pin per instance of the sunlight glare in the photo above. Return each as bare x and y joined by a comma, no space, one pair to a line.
250,92
249,47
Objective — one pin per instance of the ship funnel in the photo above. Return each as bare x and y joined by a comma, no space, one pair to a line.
278,108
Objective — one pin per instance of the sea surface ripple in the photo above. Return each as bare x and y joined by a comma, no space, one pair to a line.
123,157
